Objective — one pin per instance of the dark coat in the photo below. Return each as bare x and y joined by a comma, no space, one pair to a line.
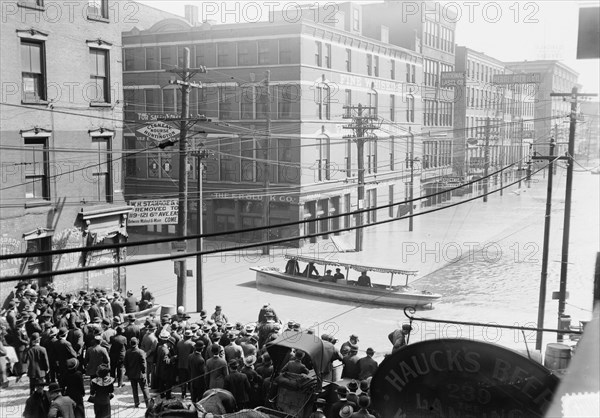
366,367
351,369
118,308
197,368
131,304
94,357
102,389
63,407
37,361
94,312
237,383
135,363
75,337
118,346
216,370
295,366
132,330
184,349
74,388
64,351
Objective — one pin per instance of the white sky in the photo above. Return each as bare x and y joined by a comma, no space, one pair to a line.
505,30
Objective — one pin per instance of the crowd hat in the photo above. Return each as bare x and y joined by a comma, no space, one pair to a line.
346,411
63,332
199,345
133,342
364,386
131,318
364,401
233,363
188,333
54,387
164,334
72,364
39,381
370,351
250,360
342,391
353,386
354,337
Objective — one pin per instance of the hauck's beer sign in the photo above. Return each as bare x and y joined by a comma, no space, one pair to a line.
158,131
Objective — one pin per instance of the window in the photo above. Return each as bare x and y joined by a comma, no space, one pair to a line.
369,64
376,66
247,103
38,264
131,169
226,56
392,107
37,184
262,102
227,170
348,59
285,51
151,101
102,169
263,53
243,53
348,100
413,74
284,101
318,52
285,172
226,101
410,108
323,149
323,101
168,99
98,8
408,73
33,65
373,102
392,69
328,55
355,19
151,59
99,75
348,158
248,161
166,62
371,151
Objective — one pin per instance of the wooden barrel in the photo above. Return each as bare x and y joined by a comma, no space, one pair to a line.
557,356
167,309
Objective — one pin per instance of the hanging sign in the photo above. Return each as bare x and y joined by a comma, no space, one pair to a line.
158,131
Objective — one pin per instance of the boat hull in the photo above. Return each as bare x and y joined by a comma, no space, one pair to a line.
380,295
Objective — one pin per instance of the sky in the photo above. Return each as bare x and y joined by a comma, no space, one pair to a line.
505,30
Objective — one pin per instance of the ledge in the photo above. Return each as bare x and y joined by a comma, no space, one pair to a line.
97,18
35,102
37,204
100,104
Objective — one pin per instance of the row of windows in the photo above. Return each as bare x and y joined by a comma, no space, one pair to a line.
37,159
494,100
481,72
373,101
437,113
438,36
437,153
95,8
33,73
432,70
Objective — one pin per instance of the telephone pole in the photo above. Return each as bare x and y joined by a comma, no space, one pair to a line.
412,179
267,174
486,157
362,127
562,293
186,73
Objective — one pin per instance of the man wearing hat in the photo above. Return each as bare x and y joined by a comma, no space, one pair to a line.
265,368
148,346
256,381
135,369
132,329
117,305
95,356
266,329
295,364
218,316
64,351
166,366
352,387
328,277
61,406
118,346
363,403
339,276
350,361
319,409
38,403
94,309
342,403
184,348
74,387
147,300
37,362
197,370
237,383
216,368
131,303
366,365
398,337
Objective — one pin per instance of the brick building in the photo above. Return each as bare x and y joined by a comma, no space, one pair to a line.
61,129
509,108
316,68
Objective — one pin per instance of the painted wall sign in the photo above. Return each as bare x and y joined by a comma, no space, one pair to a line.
153,212
524,78
461,378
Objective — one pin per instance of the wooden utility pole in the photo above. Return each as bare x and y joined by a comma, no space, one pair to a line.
562,293
185,73
486,159
362,126
520,150
412,179
267,174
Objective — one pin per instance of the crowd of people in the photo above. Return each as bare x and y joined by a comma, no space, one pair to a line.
62,341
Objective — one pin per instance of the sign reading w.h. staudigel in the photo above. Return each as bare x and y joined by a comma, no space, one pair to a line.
153,212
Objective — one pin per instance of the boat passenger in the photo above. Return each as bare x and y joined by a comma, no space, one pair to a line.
311,271
292,267
364,280
339,277
327,278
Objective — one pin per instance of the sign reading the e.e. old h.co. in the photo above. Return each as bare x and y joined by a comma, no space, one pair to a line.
460,378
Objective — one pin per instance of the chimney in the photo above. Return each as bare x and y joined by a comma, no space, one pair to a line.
191,14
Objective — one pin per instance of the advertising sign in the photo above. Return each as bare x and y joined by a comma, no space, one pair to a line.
452,78
153,212
461,378
525,78
158,131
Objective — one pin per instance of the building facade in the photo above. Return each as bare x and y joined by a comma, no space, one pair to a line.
307,163
61,139
509,107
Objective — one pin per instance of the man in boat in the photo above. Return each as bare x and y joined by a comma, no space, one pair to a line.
327,278
311,271
364,280
339,277
292,267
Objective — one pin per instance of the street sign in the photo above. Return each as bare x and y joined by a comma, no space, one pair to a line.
158,131
524,78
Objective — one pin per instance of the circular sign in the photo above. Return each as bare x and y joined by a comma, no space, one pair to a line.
459,378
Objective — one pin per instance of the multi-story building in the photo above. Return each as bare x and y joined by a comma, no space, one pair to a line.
427,28
61,137
508,107
549,112
316,69
589,131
